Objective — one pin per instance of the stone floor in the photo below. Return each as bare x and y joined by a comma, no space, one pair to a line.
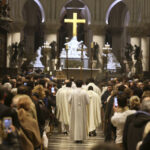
62,142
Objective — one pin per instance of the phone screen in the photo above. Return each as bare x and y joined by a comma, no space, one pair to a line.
52,90
115,102
7,122
25,84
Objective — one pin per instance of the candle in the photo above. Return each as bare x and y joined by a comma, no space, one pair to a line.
66,46
92,45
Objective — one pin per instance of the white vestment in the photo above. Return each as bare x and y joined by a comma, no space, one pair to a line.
63,112
94,117
78,118
95,88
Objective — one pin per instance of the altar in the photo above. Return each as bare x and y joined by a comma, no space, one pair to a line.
76,55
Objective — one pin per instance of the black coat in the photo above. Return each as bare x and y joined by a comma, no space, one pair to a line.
146,143
134,128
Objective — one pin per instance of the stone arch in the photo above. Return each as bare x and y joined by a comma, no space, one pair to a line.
41,9
33,29
111,6
61,7
116,33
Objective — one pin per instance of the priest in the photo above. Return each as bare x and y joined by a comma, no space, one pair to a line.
78,118
96,89
94,117
62,104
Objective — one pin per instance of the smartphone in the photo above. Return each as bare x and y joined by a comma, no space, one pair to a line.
25,84
52,90
115,102
7,123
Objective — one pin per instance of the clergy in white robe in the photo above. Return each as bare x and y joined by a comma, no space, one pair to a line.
62,104
94,110
95,88
79,101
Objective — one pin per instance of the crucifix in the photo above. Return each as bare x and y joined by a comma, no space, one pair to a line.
82,50
75,21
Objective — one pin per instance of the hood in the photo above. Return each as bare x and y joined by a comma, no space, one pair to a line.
141,118
91,94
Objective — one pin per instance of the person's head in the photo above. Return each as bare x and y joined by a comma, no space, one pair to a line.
121,88
79,83
134,102
72,79
24,102
68,84
90,88
40,91
106,146
15,101
122,99
145,94
109,87
7,86
145,106
24,90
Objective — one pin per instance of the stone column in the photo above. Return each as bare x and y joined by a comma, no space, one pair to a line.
99,37
135,41
51,32
145,47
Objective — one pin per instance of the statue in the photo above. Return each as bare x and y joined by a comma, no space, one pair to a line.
14,52
37,63
96,49
53,46
137,52
128,52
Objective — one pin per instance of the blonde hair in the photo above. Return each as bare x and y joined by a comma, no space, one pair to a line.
134,102
25,102
15,100
39,89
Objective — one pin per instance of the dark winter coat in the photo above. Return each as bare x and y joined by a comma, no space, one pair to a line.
134,128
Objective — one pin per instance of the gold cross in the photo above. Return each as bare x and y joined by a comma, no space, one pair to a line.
75,21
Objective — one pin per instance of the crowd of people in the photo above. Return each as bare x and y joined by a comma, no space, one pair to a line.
33,105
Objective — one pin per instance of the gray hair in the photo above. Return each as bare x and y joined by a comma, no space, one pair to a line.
7,86
146,105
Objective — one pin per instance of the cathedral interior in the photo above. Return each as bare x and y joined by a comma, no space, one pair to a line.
68,59
27,25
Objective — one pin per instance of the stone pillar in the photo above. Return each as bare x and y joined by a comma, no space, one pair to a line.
145,47
99,37
135,41
51,37
51,32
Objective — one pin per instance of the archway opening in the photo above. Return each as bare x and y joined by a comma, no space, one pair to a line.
34,16
116,33
65,30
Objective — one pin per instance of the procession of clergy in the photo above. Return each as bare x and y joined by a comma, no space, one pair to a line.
78,109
